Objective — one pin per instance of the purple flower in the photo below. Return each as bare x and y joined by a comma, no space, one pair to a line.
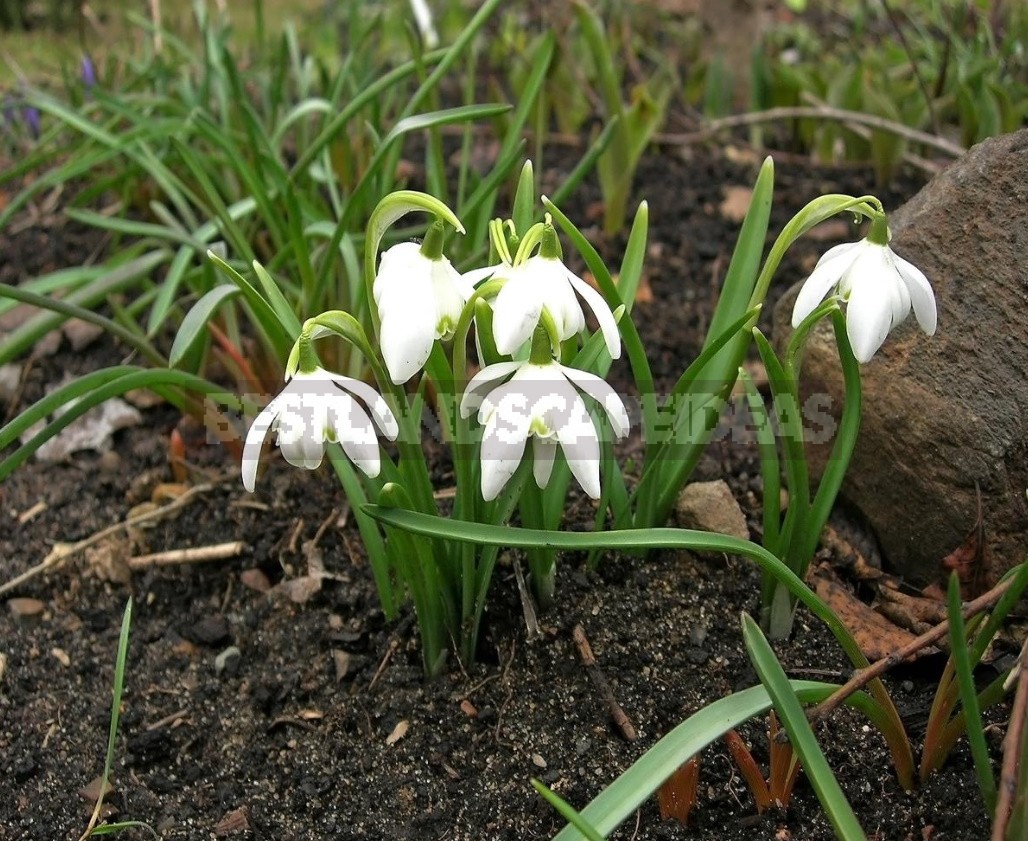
30,114
88,72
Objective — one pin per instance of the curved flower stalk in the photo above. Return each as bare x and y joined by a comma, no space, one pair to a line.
542,402
420,297
317,406
879,286
542,283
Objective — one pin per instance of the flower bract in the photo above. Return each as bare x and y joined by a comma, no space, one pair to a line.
316,407
419,301
544,403
880,288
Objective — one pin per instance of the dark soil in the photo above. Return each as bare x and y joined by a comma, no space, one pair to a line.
285,743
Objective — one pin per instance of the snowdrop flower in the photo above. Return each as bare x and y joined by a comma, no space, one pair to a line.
541,402
316,407
879,286
543,282
420,297
423,19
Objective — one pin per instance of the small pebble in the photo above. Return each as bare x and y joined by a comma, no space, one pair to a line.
538,761
342,662
61,656
227,662
399,731
255,579
211,630
110,463
25,608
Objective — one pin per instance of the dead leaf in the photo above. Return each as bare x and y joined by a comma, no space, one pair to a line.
233,822
10,379
81,334
644,292
915,613
91,791
968,559
299,590
143,398
856,564
831,229
735,202
91,431
876,636
108,560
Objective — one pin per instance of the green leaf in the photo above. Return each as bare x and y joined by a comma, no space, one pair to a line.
969,696
195,322
629,791
278,301
567,812
444,117
524,200
787,704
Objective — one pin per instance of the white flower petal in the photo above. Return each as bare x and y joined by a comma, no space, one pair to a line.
255,442
552,281
396,268
921,296
469,280
353,428
449,298
301,429
380,410
516,312
604,394
869,315
827,273
408,329
503,446
581,446
604,316
544,451
482,383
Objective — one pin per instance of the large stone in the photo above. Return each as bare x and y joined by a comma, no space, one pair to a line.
947,413
710,506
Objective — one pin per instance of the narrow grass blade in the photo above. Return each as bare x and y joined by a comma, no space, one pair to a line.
195,322
787,704
112,735
568,812
969,696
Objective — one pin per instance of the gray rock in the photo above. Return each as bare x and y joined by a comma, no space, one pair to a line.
710,506
944,413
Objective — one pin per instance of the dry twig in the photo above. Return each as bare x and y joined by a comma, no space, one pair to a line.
617,714
862,677
193,555
1010,773
62,552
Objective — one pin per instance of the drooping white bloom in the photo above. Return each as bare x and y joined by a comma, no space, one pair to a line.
880,288
541,402
419,300
546,283
316,407
423,19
